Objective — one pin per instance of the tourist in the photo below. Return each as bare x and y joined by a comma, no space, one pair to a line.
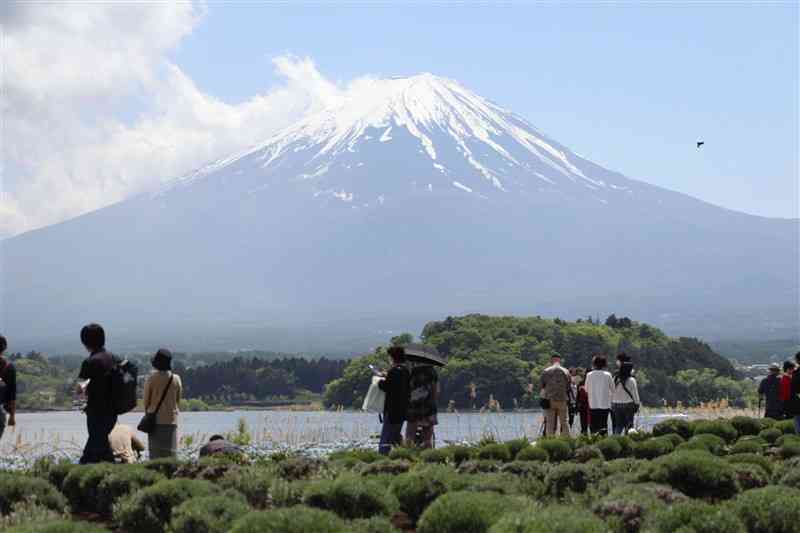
8,389
794,399
769,389
395,385
573,397
96,385
217,445
162,395
555,382
600,389
625,401
785,390
125,445
422,407
582,404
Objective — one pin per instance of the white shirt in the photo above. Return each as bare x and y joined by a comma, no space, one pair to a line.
620,396
600,388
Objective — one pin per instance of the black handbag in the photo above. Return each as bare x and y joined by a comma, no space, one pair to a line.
544,403
148,422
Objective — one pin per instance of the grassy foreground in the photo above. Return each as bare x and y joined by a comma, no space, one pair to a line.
705,476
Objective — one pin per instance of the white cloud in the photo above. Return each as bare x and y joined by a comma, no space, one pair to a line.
68,71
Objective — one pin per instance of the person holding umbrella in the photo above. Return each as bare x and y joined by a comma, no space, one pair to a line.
395,408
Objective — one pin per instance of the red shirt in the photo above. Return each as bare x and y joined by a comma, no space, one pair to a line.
785,388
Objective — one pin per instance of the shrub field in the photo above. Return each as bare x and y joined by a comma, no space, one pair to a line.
703,477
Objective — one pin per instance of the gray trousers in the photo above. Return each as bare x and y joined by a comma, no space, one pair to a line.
163,441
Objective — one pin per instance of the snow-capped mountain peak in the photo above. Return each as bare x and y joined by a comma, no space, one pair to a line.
444,134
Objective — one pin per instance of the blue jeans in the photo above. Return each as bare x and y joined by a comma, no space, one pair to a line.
97,449
391,435
797,424
2,421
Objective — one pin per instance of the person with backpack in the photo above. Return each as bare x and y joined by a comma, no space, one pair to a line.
769,389
162,398
101,415
582,403
422,407
793,406
395,385
8,389
600,389
555,382
625,401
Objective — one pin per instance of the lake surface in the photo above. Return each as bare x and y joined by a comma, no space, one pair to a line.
65,432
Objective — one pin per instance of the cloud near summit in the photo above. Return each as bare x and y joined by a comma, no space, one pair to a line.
95,111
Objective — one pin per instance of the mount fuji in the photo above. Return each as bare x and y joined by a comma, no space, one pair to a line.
410,199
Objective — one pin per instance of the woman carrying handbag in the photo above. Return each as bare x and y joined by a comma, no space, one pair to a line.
162,397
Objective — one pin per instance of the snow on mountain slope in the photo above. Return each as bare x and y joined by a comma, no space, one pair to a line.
456,136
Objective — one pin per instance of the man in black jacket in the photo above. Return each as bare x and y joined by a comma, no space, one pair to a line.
8,389
397,395
100,415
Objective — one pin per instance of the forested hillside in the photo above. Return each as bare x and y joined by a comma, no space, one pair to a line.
501,358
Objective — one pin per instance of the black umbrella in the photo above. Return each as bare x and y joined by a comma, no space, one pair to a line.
420,353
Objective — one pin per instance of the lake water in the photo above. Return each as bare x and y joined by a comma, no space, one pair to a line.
317,431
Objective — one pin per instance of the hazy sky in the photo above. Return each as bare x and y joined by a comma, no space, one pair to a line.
101,101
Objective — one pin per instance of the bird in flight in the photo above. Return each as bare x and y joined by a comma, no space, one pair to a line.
699,144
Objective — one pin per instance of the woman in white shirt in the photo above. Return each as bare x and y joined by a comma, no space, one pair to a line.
625,402
600,389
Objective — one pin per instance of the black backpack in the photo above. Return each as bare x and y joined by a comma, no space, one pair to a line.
124,380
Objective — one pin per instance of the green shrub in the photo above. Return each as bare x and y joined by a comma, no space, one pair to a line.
295,468
253,483
58,526
16,488
58,472
81,484
625,507
361,455
791,478
584,454
149,509
746,425
567,477
789,449
499,483
655,447
386,466
434,455
678,426
527,469
786,439
785,426
416,490
458,454
208,514
466,512
674,438
517,445
625,443
28,512
769,510
625,465
376,524
711,443
553,519
750,476
754,459
348,496
402,453
166,466
770,435
532,453
494,452
747,446
557,449
478,467
720,428
693,517
695,473
297,519
122,482
611,449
